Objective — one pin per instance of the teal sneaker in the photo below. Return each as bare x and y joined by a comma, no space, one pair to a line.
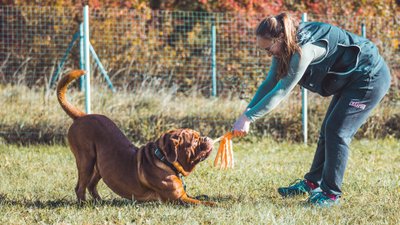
323,199
298,187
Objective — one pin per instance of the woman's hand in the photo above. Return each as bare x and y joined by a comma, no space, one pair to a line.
241,126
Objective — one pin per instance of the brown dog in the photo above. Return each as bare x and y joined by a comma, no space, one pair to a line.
151,172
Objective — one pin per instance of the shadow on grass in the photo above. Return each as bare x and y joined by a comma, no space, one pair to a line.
68,203
224,198
63,203
29,203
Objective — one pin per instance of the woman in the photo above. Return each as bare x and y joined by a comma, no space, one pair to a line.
330,61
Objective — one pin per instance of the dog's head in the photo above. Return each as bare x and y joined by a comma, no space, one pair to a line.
185,148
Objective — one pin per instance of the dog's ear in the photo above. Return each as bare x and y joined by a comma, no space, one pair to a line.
169,144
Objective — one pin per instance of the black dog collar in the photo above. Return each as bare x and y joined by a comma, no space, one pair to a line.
162,158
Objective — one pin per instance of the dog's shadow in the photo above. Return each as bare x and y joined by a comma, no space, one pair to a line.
117,202
218,198
62,203
29,203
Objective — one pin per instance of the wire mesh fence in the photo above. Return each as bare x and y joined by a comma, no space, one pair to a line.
32,39
174,47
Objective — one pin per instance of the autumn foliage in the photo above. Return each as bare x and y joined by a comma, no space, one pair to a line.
155,35
339,7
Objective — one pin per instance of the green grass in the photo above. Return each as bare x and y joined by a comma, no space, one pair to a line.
37,187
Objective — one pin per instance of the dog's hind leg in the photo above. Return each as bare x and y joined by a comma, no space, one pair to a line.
85,171
93,185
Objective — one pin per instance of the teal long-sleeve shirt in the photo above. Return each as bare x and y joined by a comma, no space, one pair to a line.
271,92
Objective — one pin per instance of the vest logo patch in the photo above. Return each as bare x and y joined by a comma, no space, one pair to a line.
357,105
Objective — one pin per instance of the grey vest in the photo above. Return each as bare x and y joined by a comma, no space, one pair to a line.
347,56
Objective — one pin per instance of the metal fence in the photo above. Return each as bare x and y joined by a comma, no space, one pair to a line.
174,47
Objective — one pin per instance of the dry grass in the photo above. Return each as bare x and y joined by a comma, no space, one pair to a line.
34,115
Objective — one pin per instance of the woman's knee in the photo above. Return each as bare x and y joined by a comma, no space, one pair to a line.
338,135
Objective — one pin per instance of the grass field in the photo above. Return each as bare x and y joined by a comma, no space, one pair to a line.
37,183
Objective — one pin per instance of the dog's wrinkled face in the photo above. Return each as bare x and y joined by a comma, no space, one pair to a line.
186,147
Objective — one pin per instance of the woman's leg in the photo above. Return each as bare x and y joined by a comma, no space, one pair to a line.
352,109
315,173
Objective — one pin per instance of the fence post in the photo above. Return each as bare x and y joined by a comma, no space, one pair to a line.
81,57
54,76
304,103
87,56
363,30
214,59
101,67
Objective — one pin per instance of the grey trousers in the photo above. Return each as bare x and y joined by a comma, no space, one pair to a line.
347,111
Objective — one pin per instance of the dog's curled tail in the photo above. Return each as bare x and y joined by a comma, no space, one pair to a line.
62,86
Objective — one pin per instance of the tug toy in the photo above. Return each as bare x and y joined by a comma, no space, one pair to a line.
225,151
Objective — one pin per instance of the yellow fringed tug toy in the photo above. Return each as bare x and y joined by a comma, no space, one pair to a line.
225,150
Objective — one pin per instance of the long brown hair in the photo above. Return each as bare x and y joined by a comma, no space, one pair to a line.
281,26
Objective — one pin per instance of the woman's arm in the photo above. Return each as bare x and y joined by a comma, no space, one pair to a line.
298,65
267,85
